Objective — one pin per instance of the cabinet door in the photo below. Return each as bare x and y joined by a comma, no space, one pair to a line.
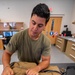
70,50
53,28
1,44
61,43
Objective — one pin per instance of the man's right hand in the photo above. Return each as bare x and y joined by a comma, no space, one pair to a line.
7,71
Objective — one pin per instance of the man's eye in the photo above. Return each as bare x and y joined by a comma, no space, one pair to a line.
33,23
40,25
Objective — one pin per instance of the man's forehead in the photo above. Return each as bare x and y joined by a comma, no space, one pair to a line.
40,23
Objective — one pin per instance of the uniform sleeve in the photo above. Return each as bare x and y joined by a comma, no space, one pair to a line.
46,48
12,45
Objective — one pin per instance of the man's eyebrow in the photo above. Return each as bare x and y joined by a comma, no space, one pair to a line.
33,20
38,24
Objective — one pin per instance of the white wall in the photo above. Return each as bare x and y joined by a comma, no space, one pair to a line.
72,26
20,10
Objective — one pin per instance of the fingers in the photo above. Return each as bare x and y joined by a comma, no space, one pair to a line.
27,71
8,71
31,72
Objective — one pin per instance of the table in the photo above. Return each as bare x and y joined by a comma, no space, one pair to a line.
60,65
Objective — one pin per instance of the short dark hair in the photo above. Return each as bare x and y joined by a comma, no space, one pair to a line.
41,10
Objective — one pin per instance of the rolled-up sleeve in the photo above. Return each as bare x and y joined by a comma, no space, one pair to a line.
12,45
46,48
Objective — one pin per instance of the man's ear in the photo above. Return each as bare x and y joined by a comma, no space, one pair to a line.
44,29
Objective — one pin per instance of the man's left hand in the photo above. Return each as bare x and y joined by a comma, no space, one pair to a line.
32,72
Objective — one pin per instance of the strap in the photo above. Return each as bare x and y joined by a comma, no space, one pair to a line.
11,64
59,72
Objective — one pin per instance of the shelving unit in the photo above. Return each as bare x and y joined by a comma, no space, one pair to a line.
11,28
6,26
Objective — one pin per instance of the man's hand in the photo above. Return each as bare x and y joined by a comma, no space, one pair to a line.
33,71
7,71
42,65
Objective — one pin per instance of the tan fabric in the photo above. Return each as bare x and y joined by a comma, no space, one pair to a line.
20,68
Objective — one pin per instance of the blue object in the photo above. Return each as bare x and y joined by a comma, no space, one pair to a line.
14,32
7,34
51,33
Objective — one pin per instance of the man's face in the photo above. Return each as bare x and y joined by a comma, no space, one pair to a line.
37,25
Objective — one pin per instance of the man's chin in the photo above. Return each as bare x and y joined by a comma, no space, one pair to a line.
34,35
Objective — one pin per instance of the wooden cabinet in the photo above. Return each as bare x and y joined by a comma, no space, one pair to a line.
1,44
61,44
70,50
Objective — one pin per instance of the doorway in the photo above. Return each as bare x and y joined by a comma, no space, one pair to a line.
53,28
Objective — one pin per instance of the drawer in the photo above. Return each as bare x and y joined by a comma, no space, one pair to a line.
70,47
71,56
61,44
70,50
58,44
73,44
73,50
60,40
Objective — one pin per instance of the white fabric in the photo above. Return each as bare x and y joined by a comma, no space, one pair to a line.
1,69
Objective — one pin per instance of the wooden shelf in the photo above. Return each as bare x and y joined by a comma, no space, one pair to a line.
6,26
73,22
10,30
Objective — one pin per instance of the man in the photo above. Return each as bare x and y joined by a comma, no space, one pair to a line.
31,44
